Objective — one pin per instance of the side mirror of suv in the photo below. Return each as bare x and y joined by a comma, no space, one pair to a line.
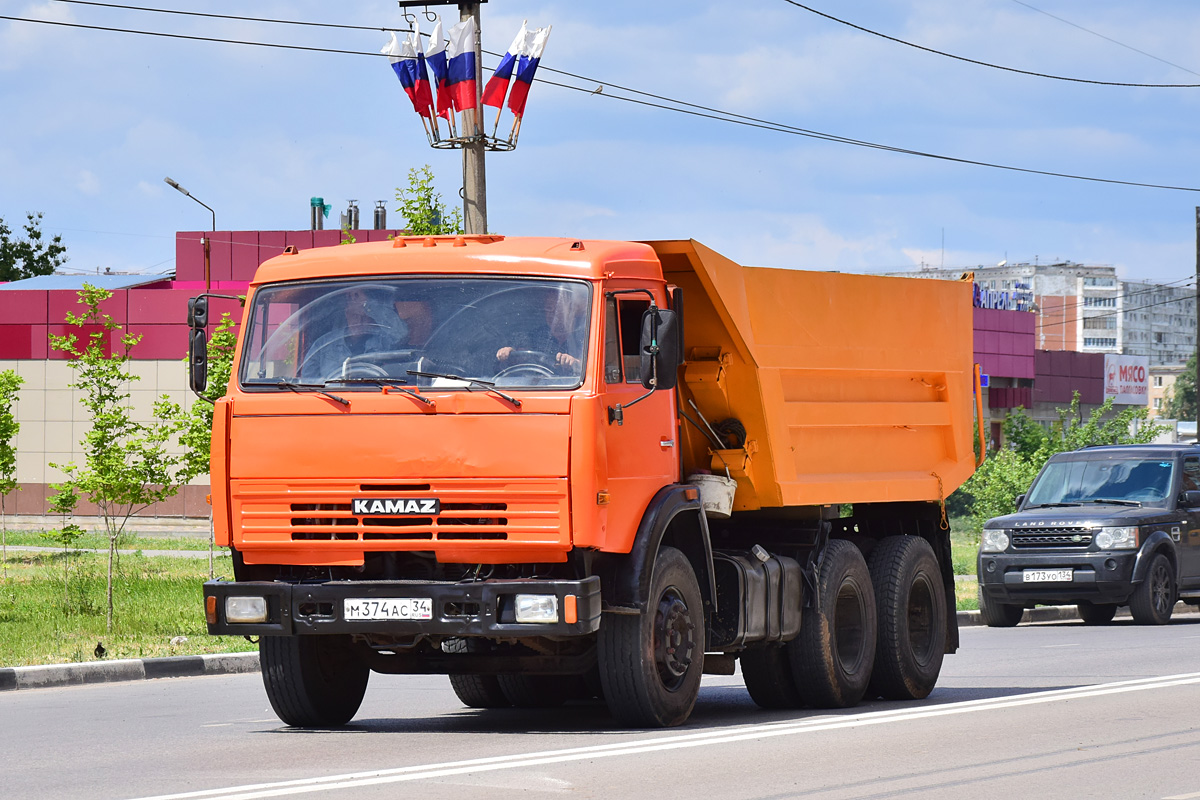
1020,500
1190,498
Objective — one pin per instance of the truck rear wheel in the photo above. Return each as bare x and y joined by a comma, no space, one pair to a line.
998,615
312,681
911,605
768,676
832,657
479,691
651,663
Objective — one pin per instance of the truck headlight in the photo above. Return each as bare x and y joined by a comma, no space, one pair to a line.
994,540
536,608
245,609
1125,538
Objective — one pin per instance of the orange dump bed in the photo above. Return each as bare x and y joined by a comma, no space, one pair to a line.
852,388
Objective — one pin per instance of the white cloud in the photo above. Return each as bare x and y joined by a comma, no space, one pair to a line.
88,183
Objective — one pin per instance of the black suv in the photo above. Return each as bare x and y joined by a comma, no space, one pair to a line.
1100,527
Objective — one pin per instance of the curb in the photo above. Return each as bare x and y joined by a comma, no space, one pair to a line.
1060,613
130,669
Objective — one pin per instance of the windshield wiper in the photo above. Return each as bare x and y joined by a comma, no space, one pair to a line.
1056,505
1111,502
301,388
394,383
491,387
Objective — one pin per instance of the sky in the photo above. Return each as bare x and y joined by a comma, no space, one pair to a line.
91,121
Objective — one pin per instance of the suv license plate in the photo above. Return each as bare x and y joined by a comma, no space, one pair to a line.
1048,575
362,608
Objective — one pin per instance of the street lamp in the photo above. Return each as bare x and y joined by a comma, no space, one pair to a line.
204,240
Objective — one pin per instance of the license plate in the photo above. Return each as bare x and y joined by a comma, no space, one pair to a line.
362,608
1048,576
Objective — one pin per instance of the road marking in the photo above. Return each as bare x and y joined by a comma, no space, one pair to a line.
672,742
1191,796
1074,644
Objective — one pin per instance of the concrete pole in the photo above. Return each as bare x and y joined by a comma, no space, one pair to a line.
1196,377
474,179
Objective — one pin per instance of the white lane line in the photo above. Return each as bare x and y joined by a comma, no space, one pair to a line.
671,742
1191,796
1047,646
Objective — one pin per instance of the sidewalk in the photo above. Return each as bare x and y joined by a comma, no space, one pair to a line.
147,526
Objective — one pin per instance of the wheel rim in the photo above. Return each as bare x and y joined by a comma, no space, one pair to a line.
849,627
1160,589
921,620
674,639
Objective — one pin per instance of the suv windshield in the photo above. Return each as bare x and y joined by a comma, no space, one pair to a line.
508,332
1143,480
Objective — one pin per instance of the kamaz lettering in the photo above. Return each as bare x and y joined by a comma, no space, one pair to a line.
397,505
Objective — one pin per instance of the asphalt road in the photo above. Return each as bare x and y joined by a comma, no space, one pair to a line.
1050,710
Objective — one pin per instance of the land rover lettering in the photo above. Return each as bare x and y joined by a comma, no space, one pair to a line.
397,506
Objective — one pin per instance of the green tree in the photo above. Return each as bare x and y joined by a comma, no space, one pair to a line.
1182,403
10,384
1008,472
63,502
197,436
423,208
1022,433
31,256
127,466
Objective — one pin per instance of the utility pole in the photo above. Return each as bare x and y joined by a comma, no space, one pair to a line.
474,179
1196,377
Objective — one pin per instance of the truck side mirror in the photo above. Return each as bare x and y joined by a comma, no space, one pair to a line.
197,359
198,313
1190,498
1020,500
659,348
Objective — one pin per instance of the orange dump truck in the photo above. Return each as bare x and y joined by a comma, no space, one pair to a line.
557,469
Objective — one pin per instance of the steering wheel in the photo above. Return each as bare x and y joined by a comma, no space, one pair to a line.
310,360
527,362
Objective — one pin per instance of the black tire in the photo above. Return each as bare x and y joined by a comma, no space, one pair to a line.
479,691
651,663
998,615
1096,613
1154,599
832,657
768,676
312,681
540,691
910,601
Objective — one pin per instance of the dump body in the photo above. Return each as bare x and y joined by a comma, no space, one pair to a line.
852,388
482,456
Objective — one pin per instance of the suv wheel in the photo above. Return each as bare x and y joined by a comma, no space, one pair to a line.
1096,613
1154,599
998,615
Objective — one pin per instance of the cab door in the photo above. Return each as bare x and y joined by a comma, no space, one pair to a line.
643,454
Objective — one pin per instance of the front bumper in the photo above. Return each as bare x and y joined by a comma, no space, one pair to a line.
1099,577
479,608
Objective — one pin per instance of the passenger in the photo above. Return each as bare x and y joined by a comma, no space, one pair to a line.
365,323
560,339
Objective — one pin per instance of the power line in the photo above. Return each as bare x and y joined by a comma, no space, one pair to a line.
714,114
1114,313
990,65
1125,295
235,17
1106,38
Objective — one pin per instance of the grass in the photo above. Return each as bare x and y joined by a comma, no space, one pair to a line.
99,541
157,600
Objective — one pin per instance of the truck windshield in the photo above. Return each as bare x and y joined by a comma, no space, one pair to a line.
1146,481
507,332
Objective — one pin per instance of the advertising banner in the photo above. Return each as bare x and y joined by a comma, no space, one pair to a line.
1127,379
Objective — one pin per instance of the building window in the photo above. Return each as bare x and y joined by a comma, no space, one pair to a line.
1100,302
1158,404
1099,342
1158,380
1158,338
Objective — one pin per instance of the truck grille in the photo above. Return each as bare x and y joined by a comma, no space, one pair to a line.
518,511
1032,538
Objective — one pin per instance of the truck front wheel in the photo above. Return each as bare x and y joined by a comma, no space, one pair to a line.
832,656
911,603
312,681
651,663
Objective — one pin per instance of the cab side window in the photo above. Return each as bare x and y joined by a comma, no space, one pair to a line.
1191,474
631,312
612,343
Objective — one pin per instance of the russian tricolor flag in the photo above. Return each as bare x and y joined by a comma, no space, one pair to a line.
409,67
460,66
436,58
497,85
535,45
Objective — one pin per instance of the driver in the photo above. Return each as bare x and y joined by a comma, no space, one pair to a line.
362,323
560,339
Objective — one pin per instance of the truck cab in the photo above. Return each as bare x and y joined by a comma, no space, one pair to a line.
1100,527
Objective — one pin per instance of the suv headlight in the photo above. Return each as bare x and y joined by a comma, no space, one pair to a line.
1125,538
994,541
